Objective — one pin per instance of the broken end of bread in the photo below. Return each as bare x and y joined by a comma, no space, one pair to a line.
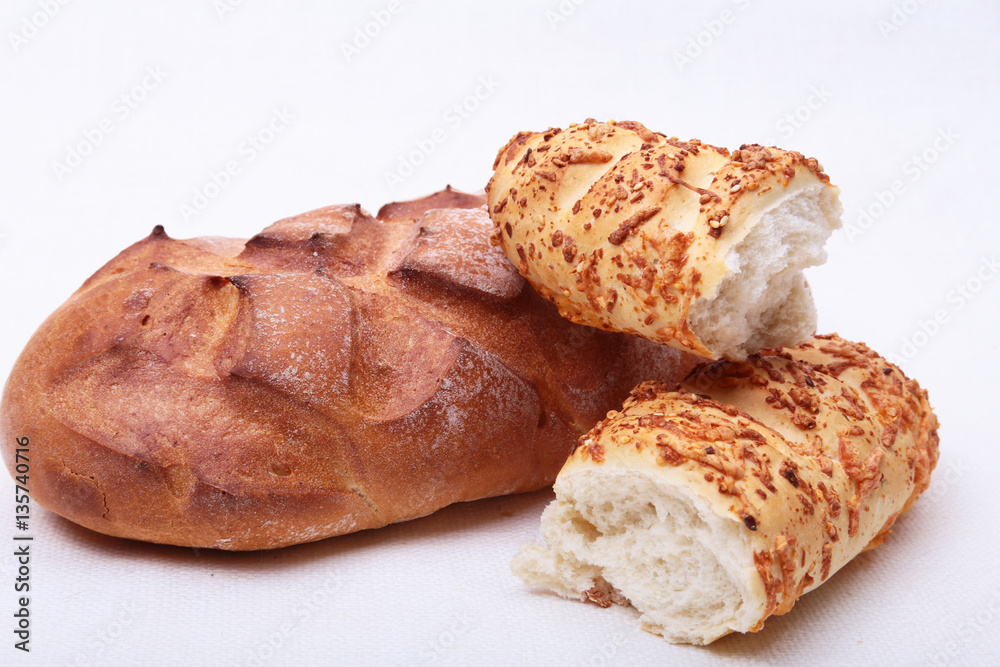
672,558
764,301
712,508
681,242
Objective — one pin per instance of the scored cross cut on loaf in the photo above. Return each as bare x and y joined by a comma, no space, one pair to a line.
683,243
335,372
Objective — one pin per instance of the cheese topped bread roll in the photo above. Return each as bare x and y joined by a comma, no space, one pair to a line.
711,508
678,241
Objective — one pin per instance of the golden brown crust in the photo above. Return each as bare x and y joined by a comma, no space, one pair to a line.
412,210
333,373
816,450
623,228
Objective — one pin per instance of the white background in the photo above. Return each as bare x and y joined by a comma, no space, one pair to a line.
883,93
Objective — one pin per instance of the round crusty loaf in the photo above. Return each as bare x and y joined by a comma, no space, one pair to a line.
712,508
680,242
335,372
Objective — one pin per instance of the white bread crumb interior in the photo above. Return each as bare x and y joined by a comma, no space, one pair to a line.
764,300
659,546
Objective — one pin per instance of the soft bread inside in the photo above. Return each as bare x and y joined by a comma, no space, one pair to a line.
636,539
764,301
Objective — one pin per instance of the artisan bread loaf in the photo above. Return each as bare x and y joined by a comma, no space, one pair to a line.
711,508
333,373
678,241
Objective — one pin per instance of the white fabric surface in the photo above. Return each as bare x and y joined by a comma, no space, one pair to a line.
873,84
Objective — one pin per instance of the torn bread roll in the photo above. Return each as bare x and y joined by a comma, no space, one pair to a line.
712,508
680,242
335,372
